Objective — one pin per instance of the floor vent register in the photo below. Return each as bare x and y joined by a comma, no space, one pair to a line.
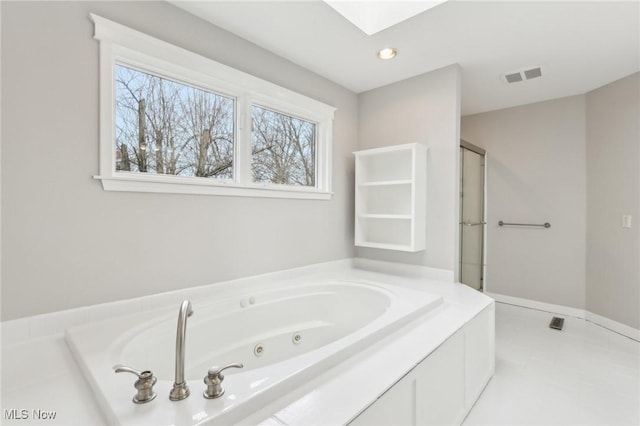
556,323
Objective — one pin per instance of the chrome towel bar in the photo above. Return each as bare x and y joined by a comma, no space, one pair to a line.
544,225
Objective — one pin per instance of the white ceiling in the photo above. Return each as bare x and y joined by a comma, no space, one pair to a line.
579,45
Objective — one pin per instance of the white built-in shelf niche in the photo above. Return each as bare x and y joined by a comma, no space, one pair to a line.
391,197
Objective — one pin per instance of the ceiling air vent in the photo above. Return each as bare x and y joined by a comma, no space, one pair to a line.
533,73
522,75
513,78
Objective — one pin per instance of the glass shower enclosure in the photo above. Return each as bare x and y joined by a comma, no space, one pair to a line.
472,224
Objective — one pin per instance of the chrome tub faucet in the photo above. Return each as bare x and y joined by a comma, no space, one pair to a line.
180,389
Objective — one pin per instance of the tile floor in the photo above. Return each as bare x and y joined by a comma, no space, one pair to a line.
582,375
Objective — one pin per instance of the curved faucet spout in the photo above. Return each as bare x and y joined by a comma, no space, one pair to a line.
180,389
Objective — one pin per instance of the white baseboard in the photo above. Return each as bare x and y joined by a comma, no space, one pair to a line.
607,323
541,306
616,326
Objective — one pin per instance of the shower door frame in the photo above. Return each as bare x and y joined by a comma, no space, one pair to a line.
483,153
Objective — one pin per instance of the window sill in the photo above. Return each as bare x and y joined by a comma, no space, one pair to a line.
160,184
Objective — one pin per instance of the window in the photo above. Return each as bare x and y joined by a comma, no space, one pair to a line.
282,148
165,127
174,121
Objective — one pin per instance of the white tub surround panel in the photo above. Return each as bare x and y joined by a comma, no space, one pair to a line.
391,357
443,387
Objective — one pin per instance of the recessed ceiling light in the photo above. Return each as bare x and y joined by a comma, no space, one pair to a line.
387,53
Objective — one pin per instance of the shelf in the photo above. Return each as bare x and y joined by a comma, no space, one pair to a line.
385,165
390,195
387,183
396,247
385,216
384,199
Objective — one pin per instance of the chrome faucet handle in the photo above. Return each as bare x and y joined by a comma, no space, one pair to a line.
144,384
214,379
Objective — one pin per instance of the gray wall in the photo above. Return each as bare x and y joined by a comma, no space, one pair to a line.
424,109
68,243
536,173
613,189
574,162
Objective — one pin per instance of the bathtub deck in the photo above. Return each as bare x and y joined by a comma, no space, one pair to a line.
63,389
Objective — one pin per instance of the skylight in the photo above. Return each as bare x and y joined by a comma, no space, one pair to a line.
374,16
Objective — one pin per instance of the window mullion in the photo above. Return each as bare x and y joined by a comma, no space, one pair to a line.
243,140
324,154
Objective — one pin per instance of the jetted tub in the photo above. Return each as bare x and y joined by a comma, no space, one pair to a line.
284,336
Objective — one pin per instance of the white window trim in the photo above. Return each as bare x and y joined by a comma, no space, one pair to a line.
125,46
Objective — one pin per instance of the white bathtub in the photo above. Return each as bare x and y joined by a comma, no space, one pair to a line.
334,320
